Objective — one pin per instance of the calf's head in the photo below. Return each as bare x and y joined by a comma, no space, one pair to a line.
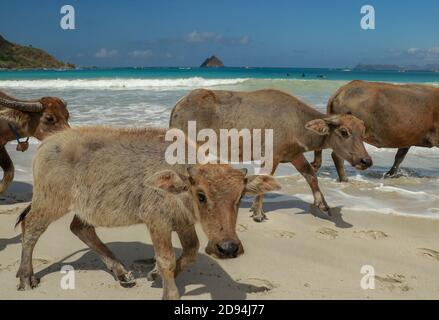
345,136
51,113
217,191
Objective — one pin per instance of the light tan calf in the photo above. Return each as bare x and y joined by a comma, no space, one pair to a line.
119,177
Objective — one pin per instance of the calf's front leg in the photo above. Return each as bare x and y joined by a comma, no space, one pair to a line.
8,169
339,165
165,260
190,244
317,163
307,171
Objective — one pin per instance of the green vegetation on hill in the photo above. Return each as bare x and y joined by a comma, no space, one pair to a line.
14,56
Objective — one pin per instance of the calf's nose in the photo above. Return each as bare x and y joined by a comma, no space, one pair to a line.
367,162
228,248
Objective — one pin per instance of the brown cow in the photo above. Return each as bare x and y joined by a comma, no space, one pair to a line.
19,119
395,116
120,177
297,128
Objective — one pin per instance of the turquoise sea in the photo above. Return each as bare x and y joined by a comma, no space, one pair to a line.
145,96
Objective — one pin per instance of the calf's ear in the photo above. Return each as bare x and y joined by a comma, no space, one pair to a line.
318,126
168,180
260,184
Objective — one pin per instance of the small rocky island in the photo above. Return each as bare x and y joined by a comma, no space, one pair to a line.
212,62
15,56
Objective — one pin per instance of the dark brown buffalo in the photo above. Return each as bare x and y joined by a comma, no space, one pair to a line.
21,119
395,116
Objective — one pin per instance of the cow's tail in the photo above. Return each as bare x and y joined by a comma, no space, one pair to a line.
22,215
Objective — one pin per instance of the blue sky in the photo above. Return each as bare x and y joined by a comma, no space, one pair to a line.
295,33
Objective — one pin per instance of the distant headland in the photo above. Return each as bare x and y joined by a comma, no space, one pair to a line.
15,56
394,67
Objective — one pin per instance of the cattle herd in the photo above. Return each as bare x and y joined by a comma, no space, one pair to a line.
110,177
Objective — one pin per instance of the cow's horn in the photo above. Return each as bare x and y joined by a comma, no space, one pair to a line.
22,106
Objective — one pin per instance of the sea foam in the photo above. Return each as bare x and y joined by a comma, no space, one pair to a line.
119,83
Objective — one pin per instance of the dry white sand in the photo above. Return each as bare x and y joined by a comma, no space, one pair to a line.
294,255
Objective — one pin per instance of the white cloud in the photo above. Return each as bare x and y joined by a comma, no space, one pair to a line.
203,37
196,36
105,53
168,55
428,55
244,40
141,54
412,50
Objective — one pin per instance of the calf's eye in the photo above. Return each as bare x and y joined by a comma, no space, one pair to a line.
201,197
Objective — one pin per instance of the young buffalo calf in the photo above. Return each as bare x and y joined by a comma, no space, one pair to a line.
118,177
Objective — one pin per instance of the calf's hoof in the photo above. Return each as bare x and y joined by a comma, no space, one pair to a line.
258,215
259,218
28,283
343,179
127,280
153,275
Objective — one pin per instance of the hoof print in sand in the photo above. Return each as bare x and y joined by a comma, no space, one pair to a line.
370,234
256,286
327,233
284,234
393,282
242,227
425,252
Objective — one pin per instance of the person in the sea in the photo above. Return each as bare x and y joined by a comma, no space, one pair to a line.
303,75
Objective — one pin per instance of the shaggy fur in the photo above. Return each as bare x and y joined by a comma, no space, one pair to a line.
119,177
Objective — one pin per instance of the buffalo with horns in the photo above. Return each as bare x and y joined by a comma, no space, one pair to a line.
23,119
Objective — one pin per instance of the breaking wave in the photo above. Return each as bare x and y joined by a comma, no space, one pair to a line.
119,83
